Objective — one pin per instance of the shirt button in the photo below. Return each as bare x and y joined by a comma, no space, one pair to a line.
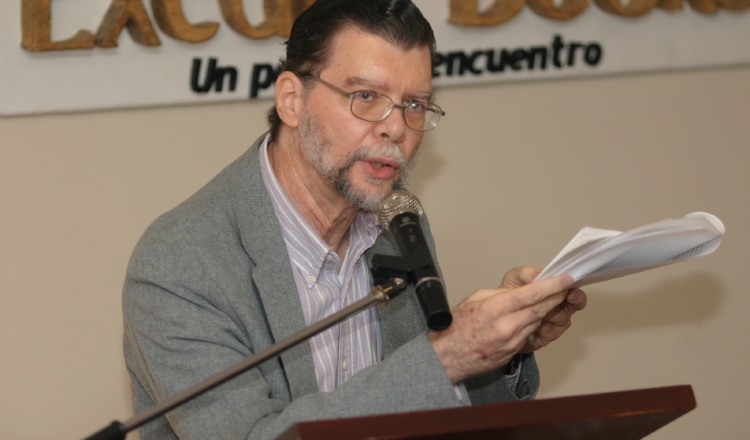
311,279
345,365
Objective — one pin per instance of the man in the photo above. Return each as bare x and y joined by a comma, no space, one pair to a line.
281,238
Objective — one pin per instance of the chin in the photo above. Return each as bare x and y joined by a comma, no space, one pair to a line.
369,198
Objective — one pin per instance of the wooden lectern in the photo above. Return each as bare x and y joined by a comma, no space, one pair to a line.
624,415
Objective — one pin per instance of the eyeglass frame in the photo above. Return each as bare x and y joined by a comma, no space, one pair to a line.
351,95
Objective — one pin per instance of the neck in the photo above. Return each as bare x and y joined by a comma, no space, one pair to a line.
329,214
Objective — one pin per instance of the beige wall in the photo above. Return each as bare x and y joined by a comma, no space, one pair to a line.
512,173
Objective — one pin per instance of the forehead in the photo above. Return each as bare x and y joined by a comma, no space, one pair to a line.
355,53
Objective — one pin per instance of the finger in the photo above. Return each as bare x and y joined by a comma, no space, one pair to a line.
533,340
534,293
529,274
481,294
516,326
559,315
576,299
545,333
520,338
549,331
519,276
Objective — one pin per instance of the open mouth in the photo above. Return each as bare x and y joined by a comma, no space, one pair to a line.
381,169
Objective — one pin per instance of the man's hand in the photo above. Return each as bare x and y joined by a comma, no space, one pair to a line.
492,325
558,320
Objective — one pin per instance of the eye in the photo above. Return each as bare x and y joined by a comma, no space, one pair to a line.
416,106
365,96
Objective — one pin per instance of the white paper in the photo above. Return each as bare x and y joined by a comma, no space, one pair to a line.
595,255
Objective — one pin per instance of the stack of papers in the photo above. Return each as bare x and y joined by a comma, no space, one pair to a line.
595,255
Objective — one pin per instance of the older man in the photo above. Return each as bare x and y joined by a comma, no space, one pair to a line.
282,238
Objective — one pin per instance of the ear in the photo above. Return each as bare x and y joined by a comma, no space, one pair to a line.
289,89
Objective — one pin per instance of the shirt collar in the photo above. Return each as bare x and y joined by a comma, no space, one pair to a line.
306,249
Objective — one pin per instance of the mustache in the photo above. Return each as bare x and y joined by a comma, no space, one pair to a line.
384,150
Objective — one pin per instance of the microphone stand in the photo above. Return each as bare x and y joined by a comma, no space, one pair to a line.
380,294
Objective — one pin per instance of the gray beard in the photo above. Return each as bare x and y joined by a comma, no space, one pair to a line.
338,176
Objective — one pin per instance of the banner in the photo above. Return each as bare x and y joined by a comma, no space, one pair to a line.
81,55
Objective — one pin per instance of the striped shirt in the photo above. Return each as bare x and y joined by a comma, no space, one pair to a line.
326,285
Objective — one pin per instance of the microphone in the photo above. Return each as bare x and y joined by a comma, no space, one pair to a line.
400,213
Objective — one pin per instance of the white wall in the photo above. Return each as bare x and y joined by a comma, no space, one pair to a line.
511,174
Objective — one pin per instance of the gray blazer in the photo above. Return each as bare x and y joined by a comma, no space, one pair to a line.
210,283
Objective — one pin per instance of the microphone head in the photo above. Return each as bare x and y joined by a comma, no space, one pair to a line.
395,203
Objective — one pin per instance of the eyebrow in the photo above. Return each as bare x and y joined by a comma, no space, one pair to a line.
358,81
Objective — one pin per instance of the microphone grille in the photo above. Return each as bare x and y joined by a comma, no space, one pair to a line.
395,203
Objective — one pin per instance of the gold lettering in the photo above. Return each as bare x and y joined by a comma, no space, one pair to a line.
126,13
670,5
564,11
36,29
36,18
280,14
171,19
634,8
704,6
711,6
466,12
734,5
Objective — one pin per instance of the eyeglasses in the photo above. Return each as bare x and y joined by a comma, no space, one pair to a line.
374,107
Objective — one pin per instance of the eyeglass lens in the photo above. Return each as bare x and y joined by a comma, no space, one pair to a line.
374,107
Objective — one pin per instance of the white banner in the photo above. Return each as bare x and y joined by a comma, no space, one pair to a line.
231,66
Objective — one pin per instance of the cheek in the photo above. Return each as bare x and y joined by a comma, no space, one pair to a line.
411,145
346,133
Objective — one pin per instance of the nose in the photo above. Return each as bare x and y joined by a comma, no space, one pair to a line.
393,127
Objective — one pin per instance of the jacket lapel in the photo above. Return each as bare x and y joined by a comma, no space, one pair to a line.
274,281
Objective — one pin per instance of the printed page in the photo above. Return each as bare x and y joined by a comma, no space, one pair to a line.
596,255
